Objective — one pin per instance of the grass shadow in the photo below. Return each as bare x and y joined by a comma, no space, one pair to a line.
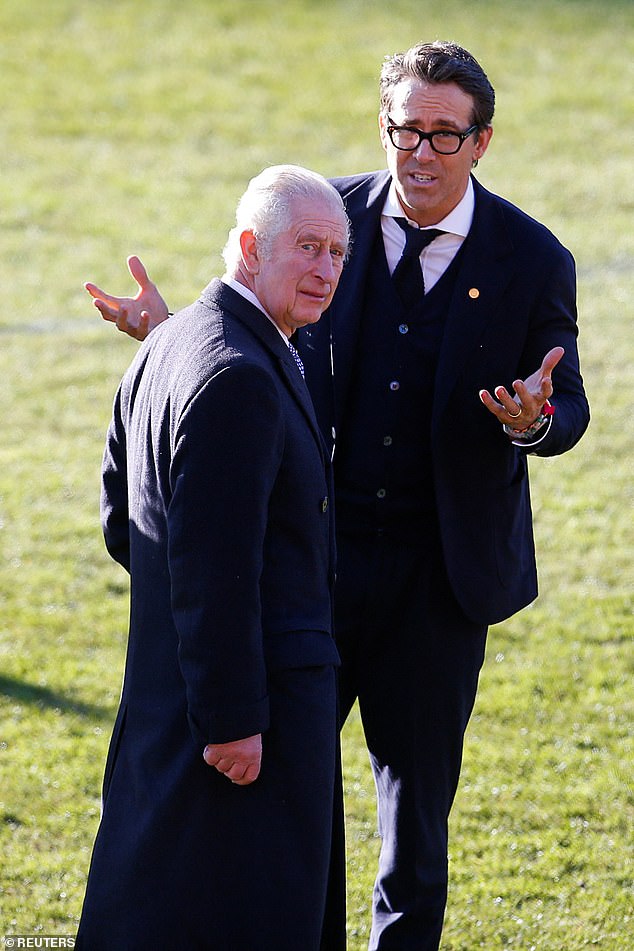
43,697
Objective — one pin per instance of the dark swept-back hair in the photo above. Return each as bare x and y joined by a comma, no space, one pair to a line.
440,62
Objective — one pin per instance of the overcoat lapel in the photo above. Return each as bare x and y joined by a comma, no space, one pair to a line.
219,295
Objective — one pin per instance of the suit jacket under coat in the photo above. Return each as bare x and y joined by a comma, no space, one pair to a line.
513,300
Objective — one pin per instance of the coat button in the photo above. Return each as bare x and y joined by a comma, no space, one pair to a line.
324,504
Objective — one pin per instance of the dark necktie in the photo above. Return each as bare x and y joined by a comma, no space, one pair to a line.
408,274
296,357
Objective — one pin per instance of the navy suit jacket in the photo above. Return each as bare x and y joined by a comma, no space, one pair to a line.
513,300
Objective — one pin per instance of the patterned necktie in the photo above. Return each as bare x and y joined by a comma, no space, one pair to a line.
296,358
408,274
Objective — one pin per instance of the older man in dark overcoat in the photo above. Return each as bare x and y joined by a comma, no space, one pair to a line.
221,786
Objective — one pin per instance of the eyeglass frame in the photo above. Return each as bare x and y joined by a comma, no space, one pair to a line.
428,136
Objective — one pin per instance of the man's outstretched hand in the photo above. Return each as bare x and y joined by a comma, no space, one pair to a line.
520,411
135,316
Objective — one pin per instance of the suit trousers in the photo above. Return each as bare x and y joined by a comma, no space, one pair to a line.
412,658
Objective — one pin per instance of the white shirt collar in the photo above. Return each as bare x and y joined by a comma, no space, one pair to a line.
458,221
248,294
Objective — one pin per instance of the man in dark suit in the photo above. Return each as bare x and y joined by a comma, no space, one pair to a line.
220,791
453,326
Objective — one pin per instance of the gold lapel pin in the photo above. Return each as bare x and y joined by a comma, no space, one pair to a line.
474,293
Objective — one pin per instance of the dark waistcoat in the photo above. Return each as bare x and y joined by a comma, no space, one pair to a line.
382,461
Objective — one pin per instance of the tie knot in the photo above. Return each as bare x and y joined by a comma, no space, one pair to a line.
416,239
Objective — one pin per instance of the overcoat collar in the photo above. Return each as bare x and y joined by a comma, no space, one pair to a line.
219,296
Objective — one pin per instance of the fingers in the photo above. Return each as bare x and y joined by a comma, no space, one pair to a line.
120,316
551,360
95,291
239,763
229,768
488,401
543,375
240,774
123,322
144,326
539,385
107,312
138,272
507,402
534,398
507,410
250,775
549,363
127,326
114,310
521,409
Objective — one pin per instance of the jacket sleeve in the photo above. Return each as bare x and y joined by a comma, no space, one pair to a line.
554,323
227,448
114,488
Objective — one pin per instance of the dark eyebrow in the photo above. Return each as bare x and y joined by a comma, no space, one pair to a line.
447,123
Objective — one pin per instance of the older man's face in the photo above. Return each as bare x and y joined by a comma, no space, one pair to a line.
430,185
296,280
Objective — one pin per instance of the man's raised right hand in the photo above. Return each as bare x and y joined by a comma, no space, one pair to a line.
135,316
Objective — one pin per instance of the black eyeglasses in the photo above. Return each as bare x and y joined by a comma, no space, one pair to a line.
407,138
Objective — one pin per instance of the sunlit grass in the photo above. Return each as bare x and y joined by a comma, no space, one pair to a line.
133,126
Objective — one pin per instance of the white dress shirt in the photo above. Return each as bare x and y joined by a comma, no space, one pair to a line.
438,255
247,293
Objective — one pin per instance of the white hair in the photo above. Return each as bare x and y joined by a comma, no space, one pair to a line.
266,205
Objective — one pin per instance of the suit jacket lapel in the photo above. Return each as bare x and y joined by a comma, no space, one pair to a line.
220,295
364,205
481,280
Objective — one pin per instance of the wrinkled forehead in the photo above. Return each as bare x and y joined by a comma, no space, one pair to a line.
320,217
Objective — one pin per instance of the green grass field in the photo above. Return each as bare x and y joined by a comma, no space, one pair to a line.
132,126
